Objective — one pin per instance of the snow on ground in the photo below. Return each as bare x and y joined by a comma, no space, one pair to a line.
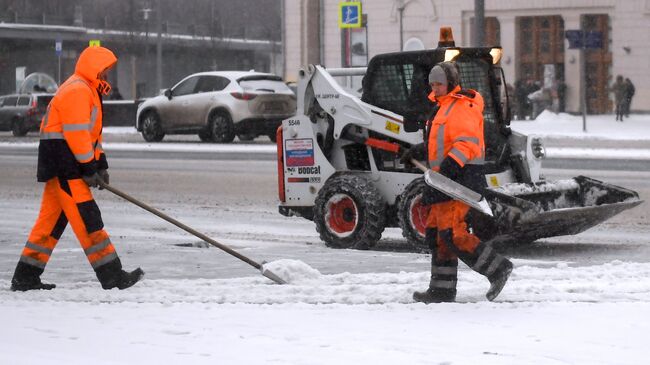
551,314
340,307
604,127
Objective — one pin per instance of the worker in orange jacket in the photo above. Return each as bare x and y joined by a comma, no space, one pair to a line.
456,149
70,161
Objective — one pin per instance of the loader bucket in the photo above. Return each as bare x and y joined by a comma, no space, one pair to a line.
565,207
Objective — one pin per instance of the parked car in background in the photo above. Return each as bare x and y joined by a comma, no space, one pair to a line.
218,106
21,113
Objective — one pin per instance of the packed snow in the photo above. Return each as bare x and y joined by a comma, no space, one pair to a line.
197,305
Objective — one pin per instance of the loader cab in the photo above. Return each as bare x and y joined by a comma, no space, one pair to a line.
399,82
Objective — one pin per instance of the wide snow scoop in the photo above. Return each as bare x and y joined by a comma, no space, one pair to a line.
269,274
454,189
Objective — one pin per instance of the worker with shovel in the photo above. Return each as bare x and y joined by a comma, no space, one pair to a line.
456,149
71,161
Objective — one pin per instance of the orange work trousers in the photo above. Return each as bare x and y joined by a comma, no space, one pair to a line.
68,201
450,216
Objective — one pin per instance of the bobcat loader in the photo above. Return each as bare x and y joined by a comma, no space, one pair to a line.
338,157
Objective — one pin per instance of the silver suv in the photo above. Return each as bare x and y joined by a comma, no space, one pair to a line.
218,106
22,113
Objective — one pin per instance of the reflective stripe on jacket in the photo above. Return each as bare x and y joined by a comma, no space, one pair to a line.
456,131
71,130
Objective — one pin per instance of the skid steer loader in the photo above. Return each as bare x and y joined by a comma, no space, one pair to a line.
338,157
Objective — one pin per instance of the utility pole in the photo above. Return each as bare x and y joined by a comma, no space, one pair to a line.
159,82
401,6
583,73
145,13
479,23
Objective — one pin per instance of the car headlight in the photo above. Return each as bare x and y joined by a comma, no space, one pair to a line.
538,148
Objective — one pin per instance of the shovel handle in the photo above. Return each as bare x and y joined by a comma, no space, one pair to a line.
180,225
419,165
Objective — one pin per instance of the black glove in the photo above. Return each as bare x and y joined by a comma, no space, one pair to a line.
415,152
92,180
450,168
103,174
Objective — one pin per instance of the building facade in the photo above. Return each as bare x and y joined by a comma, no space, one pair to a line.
532,34
157,42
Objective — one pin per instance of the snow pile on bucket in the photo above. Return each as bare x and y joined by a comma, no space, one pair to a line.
292,271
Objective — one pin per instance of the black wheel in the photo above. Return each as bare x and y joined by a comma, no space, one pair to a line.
18,128
412,214
246,136
221,127
350,212
205,135
151,128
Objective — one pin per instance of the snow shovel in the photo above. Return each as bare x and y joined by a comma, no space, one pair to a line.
269,274
454,189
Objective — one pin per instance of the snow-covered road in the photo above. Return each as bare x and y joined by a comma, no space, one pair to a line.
198,305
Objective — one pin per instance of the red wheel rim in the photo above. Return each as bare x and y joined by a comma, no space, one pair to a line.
341,215
418,215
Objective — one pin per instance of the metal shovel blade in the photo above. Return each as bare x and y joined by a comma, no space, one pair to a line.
457,191
271,275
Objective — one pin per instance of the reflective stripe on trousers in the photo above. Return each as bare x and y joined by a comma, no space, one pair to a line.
69,200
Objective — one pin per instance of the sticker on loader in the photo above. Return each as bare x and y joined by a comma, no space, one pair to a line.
299,152
392,127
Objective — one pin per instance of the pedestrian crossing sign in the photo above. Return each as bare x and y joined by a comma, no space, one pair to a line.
350,14
94,43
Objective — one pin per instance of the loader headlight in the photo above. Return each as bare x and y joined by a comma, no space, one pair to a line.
451,54
496,54
538,148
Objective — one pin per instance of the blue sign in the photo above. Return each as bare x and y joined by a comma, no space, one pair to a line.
594,40
575,38
350,14
58,47
587,40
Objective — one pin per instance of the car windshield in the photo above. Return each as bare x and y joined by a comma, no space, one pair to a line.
264,83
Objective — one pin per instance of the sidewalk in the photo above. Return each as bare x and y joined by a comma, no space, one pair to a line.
562,136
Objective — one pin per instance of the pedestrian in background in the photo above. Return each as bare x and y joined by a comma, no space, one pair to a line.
115,94
629,94
71,161
561,96
619,97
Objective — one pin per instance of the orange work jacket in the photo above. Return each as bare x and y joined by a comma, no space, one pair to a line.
456,131
71,130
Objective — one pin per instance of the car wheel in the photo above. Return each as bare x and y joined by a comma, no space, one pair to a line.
205,135
18,128
221,127
246,136
350,212
151,128
412,214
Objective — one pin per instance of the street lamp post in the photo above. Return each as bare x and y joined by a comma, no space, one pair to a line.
145,13
401,6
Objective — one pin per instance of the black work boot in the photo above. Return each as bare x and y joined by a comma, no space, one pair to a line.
498,279
28,277
486,261
436,295
442,287
111,275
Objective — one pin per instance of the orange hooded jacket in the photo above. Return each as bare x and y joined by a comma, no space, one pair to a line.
71,130
456,131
